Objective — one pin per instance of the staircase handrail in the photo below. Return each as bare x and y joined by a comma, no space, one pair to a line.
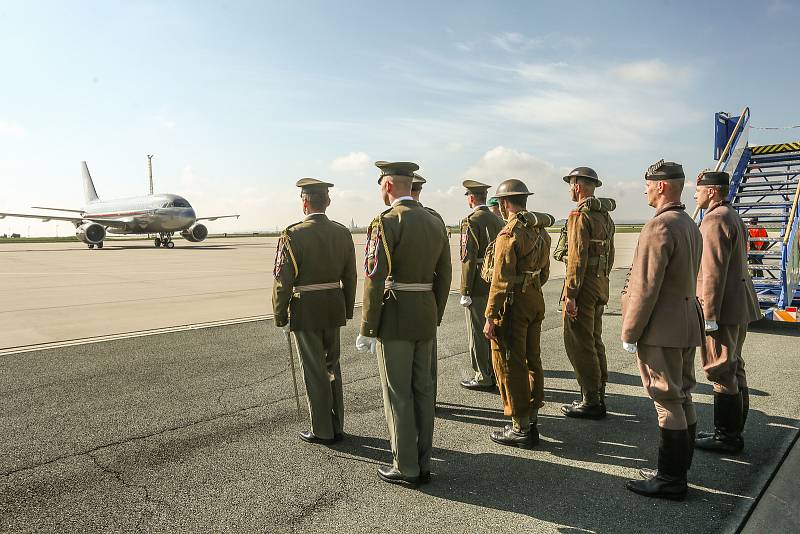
743,118
792,215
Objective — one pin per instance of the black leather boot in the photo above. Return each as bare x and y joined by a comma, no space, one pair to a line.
727,437
589,408
669,481
510,437
646,472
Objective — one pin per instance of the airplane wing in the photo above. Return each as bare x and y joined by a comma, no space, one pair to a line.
57,209
215,218
114,223
43,218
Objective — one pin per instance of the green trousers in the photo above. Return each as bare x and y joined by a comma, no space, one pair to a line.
322,375
435,368
479,349
405,372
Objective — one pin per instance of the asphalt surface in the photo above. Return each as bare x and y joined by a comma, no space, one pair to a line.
197,431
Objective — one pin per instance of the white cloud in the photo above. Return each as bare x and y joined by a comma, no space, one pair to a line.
651,71
516,43
165,123
11,131
354,162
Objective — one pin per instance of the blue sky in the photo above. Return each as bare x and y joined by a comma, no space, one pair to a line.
240,99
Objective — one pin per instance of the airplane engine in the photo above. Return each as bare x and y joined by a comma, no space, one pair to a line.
196,233
91,233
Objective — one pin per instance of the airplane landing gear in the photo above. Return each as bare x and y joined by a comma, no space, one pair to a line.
91,246
164,240
100,244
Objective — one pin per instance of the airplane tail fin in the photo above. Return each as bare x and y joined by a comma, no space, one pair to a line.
88,186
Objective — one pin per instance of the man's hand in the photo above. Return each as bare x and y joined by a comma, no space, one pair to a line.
571,308
630,347
488,330
366,344
711,326
465,300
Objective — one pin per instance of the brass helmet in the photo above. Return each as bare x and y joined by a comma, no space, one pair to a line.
583,172
512,188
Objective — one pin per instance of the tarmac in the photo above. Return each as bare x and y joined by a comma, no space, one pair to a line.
196,431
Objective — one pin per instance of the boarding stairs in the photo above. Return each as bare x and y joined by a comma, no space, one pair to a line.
764,189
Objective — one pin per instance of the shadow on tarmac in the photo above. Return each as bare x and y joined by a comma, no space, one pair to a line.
765,326
559,480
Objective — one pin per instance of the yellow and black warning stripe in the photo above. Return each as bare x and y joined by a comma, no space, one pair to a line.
776,149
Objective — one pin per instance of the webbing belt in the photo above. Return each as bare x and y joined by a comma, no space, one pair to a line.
404,286
317,287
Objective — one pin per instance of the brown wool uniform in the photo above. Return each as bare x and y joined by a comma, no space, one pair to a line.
405,293
521,267
314,292
661,313
590,257
478,229
726,293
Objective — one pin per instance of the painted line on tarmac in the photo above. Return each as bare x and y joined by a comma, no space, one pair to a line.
144,333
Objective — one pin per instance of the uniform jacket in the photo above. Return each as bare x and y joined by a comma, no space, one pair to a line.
590,249
724,286
522,245
405,244
659,306
314,251
478,229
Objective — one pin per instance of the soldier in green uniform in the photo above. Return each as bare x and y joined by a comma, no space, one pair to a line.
416,188
478,229
589,258
408,276
313,296
519,265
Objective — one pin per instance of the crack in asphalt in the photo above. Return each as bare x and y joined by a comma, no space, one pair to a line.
145,512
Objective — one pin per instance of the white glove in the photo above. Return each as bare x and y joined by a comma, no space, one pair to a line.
712,326
366,344
630,347
465,300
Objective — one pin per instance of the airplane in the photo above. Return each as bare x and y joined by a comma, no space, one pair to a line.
161,214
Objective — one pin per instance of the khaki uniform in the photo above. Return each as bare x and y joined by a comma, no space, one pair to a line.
726,293
661,313
408,280
590,257
435,350
314,292
478,229
516,305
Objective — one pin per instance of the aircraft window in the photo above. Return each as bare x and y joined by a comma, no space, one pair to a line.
181,204
167,205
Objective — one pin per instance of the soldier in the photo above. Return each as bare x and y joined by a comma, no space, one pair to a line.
313,296
494,207
729,302
520,265
590,256
478,229
408,276
416,188
662,319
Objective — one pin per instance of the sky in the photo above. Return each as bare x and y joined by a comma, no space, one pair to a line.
238,100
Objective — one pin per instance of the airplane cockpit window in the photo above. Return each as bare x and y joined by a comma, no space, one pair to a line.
167,205
180,203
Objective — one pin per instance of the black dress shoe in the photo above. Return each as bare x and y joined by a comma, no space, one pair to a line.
338,437
473,384
510,437
584,411
660,487
310,437
424,477
391,475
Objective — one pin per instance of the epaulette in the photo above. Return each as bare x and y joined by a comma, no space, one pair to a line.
286,230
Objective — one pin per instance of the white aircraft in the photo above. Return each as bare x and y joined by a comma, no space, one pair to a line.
152,214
